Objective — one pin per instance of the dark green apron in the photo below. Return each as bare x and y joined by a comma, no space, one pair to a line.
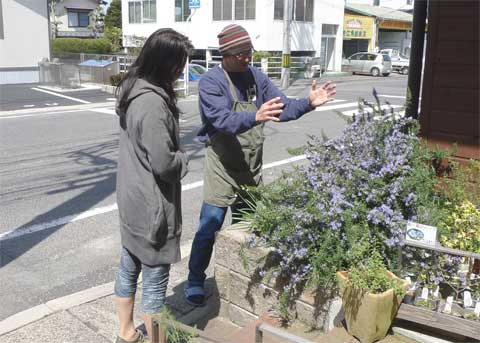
233,161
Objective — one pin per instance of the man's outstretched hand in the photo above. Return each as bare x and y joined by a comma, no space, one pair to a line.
269,111
321,95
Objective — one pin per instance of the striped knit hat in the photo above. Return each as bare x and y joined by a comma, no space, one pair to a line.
233,40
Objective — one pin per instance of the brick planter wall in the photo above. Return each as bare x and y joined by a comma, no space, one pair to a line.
243,297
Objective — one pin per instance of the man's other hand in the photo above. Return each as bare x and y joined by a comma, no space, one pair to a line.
323,94
270,110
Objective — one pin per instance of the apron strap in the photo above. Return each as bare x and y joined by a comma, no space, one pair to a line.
233,91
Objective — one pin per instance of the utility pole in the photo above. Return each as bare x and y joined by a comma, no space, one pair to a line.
420,8
287,28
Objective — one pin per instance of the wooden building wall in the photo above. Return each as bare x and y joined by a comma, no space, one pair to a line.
451,95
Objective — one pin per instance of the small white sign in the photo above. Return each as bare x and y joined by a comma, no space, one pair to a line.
467,299
409,280
477,309
435,292
421,233
424,293
448,305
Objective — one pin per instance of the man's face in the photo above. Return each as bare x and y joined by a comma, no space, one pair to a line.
240,61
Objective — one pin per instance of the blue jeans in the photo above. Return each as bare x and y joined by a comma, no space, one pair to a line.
211,220
154,286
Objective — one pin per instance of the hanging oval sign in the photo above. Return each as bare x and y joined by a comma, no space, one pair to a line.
415,234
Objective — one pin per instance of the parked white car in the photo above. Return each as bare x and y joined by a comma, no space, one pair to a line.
400,62
372,63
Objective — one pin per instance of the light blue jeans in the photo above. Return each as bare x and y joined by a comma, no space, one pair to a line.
154,286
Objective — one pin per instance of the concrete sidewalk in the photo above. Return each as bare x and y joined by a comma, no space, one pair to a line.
89,316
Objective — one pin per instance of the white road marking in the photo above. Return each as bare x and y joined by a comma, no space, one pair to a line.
334,107
28,106
111,99
101,210
84,87
62,96
39,114
110,111
392,96
369,110
56,222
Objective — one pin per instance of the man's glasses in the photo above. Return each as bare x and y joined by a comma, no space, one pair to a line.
245,53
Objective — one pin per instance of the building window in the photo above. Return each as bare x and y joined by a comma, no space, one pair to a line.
238,9
135,12
329,30
182,11
144,11
78,18
302,10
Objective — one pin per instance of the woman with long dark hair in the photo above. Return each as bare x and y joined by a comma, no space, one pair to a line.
150,166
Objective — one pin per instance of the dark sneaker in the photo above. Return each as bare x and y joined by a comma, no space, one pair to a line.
140,339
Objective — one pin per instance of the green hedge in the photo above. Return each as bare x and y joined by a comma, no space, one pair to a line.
79,45
115,79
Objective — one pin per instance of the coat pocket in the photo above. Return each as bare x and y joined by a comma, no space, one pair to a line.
158,232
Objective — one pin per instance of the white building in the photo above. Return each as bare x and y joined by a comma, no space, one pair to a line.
317,28
24,39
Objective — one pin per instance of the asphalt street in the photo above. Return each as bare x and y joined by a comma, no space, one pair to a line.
59,224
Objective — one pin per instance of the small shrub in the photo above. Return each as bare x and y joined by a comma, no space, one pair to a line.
258,55
464,226
115,79
79,45
372,277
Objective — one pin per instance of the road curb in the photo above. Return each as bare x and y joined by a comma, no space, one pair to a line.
67,302
38,312
23,318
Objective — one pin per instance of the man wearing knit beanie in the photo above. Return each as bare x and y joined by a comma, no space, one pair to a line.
235,101
234,39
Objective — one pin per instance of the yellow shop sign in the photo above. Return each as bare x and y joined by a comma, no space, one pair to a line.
357,27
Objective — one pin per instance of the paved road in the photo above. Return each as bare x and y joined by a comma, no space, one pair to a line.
34,96
59,225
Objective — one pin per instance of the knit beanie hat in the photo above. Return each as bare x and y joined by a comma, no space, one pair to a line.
233,40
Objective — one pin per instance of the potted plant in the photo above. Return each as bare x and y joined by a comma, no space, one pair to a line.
371,296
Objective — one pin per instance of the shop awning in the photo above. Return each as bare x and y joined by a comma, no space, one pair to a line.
380,12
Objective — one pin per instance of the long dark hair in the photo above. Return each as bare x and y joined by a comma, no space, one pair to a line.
160,61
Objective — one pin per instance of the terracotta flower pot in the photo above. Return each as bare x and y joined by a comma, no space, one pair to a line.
368,315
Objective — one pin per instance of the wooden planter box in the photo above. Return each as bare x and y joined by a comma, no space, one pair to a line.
435,319
244,298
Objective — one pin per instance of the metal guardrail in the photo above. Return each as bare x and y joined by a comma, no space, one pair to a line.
262,327
272,66
66,73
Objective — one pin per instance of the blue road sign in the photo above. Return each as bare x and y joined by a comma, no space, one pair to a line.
193,4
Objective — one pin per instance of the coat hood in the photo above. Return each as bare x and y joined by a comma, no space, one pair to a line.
140,87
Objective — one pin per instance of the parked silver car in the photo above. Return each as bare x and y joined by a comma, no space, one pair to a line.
371,63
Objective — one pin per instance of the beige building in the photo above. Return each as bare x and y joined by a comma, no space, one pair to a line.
370,28
73,18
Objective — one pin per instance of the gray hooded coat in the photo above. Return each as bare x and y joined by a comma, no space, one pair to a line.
150,167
